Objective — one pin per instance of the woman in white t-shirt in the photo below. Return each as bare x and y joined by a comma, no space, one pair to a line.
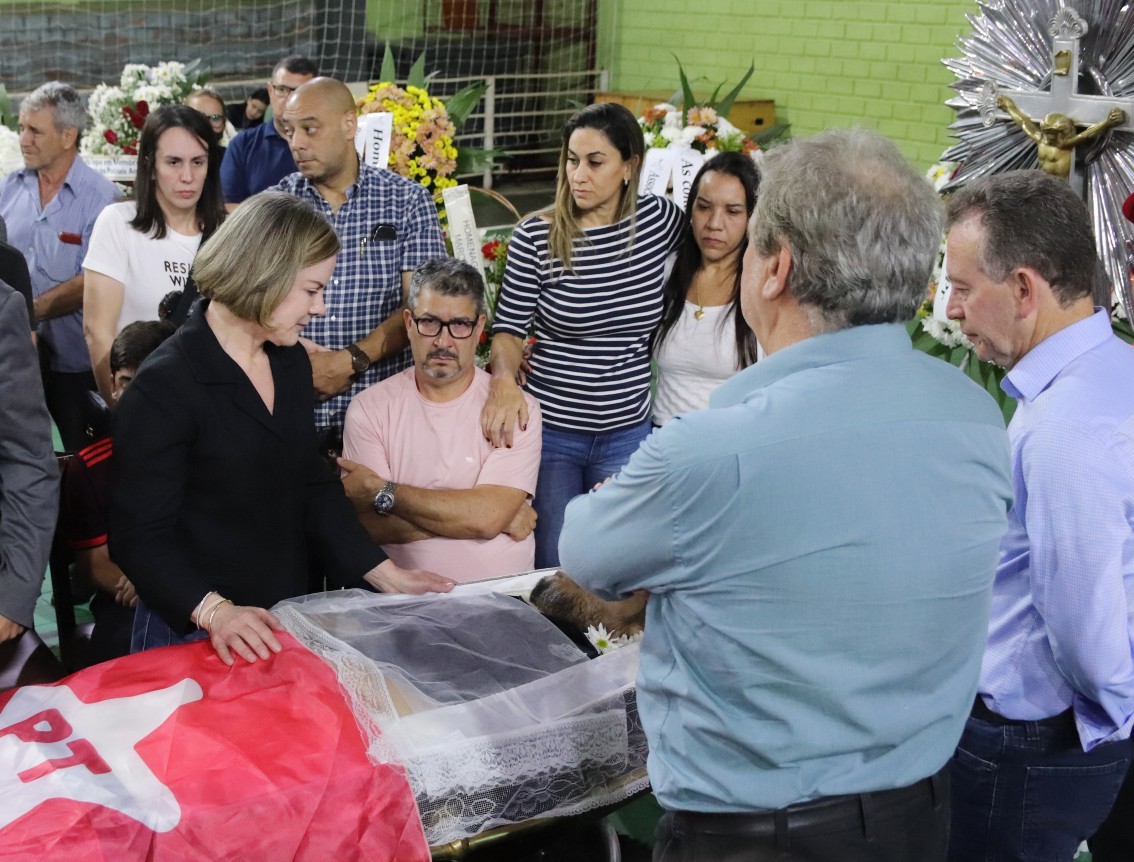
140,250
702,339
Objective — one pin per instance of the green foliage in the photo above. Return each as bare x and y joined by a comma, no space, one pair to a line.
460,104
7,116
780,133
388,72
688,100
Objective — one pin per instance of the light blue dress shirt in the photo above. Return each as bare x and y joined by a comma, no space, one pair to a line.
819,549
39,232
1060,634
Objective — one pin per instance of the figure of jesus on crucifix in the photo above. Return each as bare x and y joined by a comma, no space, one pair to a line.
1062,107
1055,136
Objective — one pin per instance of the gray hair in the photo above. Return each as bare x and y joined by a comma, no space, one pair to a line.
862,225
448,277
1031,219
67,106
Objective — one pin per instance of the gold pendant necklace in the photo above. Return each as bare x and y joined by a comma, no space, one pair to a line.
700,312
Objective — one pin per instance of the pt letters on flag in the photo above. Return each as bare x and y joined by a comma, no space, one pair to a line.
171,755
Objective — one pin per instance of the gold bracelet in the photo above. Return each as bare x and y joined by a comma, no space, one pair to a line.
197,612
216,607
211,607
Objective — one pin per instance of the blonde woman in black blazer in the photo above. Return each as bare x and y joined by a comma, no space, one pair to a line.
220,495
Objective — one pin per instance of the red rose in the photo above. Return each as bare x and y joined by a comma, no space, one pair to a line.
111,137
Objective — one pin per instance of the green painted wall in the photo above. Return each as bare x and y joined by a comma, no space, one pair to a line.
824,62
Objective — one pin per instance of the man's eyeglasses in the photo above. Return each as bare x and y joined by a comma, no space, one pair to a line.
214,118
431,327
282,89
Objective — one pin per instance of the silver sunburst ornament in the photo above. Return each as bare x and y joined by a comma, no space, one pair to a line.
1050,84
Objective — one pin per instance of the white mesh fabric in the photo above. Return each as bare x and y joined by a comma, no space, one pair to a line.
494,714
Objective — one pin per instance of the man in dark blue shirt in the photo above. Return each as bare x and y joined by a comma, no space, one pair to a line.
259,157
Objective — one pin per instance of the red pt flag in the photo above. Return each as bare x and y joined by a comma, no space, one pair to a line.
170,755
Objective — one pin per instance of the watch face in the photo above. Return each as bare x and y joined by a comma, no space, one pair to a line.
359,361
384,502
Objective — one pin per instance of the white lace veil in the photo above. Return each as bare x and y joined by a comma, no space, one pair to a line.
496,716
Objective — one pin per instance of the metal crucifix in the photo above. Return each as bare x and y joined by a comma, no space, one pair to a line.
1051,117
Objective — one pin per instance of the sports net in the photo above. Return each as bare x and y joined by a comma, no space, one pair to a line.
540,55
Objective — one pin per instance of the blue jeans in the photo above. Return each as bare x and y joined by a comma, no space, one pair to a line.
571,464
1029,791
151,631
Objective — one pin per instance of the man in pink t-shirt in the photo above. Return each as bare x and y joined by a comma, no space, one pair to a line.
432,491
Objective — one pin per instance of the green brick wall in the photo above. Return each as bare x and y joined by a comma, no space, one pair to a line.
824,62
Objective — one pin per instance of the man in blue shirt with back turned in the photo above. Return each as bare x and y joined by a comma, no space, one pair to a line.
819,546
1048,742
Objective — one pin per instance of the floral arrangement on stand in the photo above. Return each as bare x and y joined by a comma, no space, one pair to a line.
422,147
118,112
701,125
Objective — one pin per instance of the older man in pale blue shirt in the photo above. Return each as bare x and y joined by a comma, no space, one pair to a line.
818,547
1048,743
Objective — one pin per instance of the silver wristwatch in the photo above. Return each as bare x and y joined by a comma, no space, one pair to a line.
384,499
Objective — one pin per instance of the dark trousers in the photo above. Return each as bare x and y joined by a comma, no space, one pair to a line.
909,824
1114,842
1026,789
68,397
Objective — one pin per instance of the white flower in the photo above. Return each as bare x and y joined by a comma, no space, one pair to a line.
940,173
725,129
600,638
672,120
668,108
11,159
690,134
605,642
948,332
671,134
648,137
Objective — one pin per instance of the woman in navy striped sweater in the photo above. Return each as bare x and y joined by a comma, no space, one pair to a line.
588,273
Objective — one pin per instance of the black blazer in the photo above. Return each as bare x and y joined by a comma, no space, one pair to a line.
213,492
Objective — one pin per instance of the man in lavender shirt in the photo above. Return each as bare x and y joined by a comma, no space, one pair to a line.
1048,742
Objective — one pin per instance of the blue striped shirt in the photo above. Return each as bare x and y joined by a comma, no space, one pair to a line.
1060,634
591,365
366,286
36,231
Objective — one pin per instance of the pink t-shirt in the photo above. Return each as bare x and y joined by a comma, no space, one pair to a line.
402,436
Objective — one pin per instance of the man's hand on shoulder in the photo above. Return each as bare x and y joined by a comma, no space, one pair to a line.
331,373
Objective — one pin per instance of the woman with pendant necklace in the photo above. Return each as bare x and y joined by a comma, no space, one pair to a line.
702,339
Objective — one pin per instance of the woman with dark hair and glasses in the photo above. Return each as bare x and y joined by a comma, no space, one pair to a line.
142,249
703,339
588,272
